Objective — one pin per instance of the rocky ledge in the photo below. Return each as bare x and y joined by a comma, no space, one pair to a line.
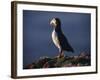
66,61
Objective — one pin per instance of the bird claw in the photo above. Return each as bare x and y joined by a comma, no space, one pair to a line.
60,56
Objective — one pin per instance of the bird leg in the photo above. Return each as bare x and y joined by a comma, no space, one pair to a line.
61,54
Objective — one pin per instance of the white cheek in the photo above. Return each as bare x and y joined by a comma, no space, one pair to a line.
53,21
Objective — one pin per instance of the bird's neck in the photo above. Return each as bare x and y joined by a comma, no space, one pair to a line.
58,29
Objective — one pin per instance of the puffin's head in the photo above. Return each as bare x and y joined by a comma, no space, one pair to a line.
55,22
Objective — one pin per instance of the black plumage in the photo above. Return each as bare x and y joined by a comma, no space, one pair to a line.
64,42
59,38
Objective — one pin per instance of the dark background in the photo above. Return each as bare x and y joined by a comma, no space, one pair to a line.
37,41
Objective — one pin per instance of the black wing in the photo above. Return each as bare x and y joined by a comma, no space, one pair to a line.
64,42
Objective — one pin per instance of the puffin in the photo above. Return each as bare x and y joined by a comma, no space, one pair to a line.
59,39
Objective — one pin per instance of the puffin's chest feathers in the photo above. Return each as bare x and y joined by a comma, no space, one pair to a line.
55,39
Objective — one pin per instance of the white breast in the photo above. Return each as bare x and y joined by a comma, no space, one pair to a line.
55,39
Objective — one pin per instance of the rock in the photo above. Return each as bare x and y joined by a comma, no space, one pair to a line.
42,61
67,61
30,66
